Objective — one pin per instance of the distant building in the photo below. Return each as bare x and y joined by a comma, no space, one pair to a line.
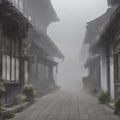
113,2
43,66
109,42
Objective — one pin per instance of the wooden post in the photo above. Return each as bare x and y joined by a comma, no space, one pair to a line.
0,55
36,69
51,75
6,64
21,65
108,68
10,58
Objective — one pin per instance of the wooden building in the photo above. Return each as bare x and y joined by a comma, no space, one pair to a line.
93,80
104,41
109,41
26,51
96,62
41,12
42,70
99,44
13,30
43,50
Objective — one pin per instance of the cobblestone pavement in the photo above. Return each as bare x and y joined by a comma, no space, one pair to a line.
67,106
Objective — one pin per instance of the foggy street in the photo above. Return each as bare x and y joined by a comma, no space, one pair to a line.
65,105
60,59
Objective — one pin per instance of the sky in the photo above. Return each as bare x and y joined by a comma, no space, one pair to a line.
69,33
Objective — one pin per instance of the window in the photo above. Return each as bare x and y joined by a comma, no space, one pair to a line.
10,60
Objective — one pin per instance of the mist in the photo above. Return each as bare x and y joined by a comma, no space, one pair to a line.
68,34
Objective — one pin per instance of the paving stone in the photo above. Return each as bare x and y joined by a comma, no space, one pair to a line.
63,105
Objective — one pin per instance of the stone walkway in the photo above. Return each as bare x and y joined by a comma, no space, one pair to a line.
67,106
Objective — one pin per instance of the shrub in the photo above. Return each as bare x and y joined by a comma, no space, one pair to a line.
117,106
8,115
2,108
22,98
2,89
19,99
103,97
94,91
28,91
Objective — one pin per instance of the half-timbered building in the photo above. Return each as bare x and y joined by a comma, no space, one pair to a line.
13,30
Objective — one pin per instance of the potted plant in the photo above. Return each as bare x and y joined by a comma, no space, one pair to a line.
117,106
103,97
2,90
28,91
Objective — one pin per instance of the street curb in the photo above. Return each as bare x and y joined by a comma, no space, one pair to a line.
18,108
111,105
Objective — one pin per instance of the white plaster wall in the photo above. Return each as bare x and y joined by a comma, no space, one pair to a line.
103,73
26,72
54,74
112,78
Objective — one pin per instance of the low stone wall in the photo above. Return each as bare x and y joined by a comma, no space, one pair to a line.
12,91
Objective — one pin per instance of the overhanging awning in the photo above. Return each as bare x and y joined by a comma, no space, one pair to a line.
36,50
113,2
106,31
14,25
92,59
97,26
42,8
47,61
43,41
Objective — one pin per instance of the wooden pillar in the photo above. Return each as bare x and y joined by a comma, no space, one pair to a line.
51,75
6,59
0,55
29,70
108,68
21,65
37,69
15,53
10,58
56,69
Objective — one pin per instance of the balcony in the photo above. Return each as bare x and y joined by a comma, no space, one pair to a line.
13,23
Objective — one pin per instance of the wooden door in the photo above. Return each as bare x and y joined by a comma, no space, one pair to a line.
117,71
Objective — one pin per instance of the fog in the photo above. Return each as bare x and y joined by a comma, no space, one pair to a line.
68,35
